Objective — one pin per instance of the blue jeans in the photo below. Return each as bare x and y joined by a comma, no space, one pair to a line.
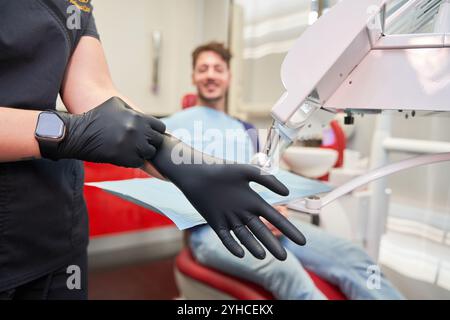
336,260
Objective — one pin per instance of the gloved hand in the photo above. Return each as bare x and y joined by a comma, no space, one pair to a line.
222,195
110,133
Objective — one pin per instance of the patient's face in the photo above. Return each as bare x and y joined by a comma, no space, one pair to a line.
211,76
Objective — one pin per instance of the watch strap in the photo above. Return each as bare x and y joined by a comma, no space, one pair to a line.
49,146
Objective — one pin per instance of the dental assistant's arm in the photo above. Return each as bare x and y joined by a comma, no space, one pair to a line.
17,140
88,83
99,128
80,93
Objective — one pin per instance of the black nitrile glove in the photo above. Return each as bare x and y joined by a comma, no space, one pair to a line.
110,133
222,195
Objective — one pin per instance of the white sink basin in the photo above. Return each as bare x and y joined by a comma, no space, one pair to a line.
310,162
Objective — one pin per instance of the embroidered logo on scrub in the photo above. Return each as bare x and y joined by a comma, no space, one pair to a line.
83,5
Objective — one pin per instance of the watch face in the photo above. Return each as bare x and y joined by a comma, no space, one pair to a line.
49,126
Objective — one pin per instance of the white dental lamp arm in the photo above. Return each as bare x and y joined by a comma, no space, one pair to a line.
325,55
315,204
345,62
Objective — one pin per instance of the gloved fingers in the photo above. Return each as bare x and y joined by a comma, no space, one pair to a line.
147,152
266,237
154,138
281,223
229,242
269,181
246,237
156,124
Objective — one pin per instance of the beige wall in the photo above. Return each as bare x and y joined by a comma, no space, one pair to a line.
126,34
215,20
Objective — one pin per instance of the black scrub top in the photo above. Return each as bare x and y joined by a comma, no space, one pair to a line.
43,216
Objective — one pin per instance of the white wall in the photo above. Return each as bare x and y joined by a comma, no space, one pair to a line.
426,186
260,50
126,33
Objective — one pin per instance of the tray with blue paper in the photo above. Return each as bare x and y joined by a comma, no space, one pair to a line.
165,198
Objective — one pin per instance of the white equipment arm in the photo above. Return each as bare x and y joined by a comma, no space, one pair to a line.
345,61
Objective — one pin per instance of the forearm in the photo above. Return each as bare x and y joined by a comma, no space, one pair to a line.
17,127
163,162
175,158
151,170
17,140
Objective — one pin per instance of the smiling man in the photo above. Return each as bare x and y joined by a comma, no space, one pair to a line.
211,74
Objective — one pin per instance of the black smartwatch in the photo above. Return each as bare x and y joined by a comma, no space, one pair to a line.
50,130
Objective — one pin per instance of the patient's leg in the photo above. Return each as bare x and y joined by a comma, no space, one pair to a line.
340,262
285,279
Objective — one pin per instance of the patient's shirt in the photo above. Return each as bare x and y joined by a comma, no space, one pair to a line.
212,132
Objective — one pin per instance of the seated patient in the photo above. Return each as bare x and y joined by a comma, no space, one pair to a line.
209,128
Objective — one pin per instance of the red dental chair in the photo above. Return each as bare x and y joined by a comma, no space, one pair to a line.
109,215
196,281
